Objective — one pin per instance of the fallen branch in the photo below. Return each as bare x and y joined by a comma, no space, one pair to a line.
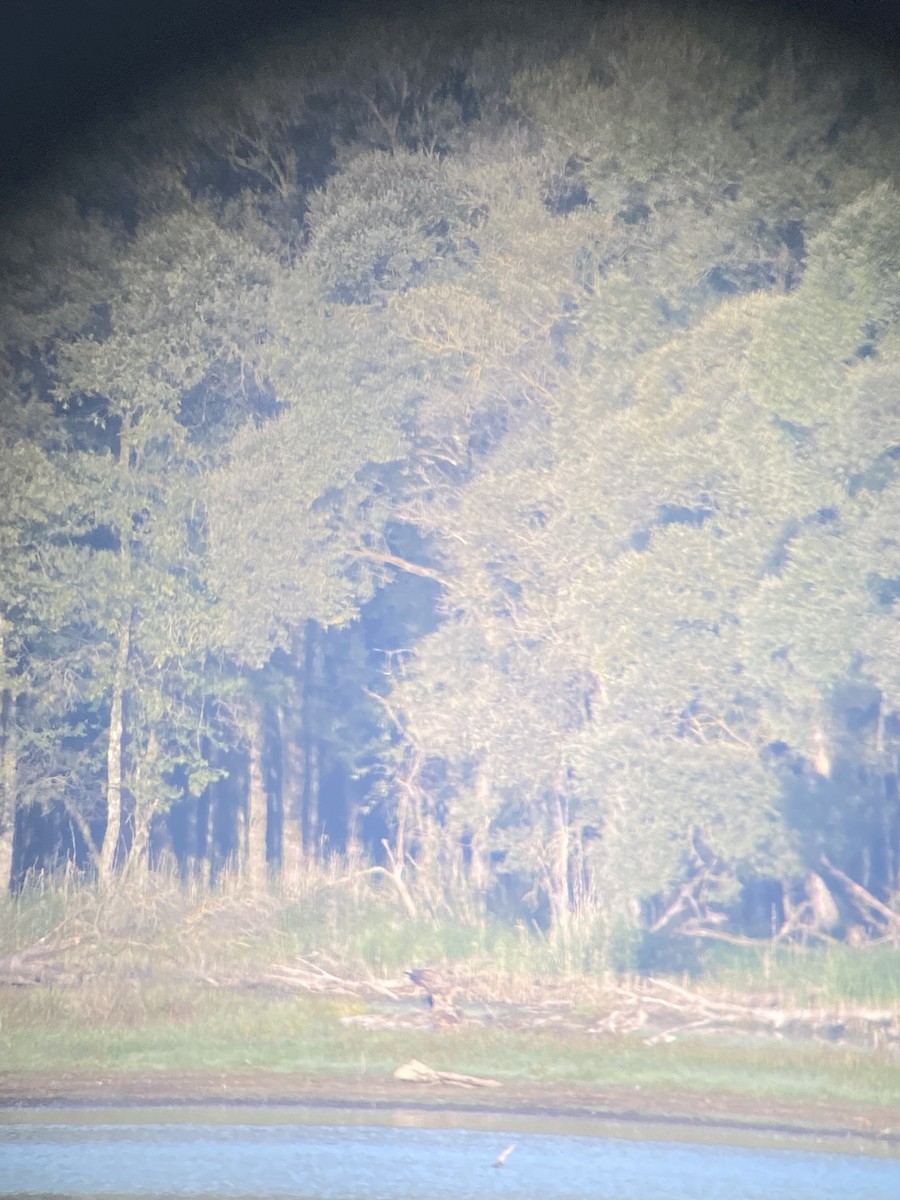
669,1035
418,1072
864,899
402,564
706,1008
37,963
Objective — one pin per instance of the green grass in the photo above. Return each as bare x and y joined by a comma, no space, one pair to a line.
384,941
304,1036
148,957
824,975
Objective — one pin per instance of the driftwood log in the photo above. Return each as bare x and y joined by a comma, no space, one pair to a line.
418,1072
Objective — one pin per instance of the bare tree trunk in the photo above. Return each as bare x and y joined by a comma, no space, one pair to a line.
210,849
312,826
9,786
293,784
107,861
145,800
80,822
578,874
312,830
892,836
479,871
354,846
558,872
292,735
890,805
257,804
140,840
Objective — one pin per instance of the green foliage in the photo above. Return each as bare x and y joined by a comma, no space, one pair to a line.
626,637
826,975
606,314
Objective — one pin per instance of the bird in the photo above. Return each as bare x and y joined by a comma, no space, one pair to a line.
504,1154
439,992
436,986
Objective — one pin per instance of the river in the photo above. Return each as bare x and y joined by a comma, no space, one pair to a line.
326,1156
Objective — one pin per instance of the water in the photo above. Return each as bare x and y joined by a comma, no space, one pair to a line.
233,1157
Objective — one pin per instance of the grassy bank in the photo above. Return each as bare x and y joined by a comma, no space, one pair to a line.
304,1036
159,977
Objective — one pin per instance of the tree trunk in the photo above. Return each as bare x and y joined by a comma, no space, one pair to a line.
145,801
293,783
892,787
107,862
558,872
210,849
257,804
480,869
140,842
80,822
353,842
8,788
291,731
312,830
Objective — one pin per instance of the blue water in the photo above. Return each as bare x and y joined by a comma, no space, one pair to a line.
371,1162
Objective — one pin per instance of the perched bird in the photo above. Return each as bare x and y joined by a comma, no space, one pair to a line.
504,1155
436,987
439,992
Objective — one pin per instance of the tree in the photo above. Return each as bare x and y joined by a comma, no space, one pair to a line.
619,539
591,332
48,293
145,372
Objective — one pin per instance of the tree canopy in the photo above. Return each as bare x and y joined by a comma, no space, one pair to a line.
478,440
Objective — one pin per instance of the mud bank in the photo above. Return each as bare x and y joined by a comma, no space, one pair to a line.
683,1114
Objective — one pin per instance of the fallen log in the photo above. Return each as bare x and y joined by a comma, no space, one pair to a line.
419,1072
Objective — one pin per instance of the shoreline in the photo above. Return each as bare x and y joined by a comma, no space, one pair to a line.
673,1114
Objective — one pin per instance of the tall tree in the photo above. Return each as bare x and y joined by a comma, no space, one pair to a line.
611,549
148,370
56,267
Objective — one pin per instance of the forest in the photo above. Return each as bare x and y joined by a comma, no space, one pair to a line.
469,448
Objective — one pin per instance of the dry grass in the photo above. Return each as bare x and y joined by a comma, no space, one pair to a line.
137,949
157,973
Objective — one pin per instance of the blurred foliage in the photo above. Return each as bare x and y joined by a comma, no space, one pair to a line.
590,324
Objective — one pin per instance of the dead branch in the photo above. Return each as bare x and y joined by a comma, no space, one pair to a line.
697,929
402,564
418,1072
387,707
865,901
396,876
707,1010
669,1035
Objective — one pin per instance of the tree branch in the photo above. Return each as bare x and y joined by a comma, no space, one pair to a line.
402,564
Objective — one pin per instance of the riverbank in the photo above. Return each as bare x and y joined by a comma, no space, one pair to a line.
223,998
202,1044
715,1117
